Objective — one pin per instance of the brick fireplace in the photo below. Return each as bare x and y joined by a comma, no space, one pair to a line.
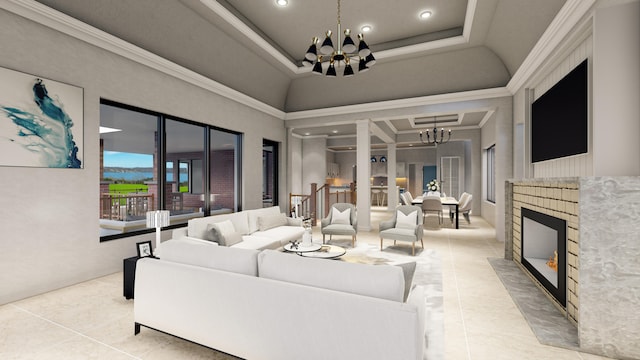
558,199
602,254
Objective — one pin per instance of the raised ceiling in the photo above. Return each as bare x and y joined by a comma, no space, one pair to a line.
255,47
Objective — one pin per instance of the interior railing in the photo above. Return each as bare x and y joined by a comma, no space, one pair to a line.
319,201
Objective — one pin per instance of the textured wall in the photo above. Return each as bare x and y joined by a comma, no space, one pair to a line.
602,216
610,266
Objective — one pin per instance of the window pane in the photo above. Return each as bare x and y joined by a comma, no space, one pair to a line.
127,176
224,171
185,152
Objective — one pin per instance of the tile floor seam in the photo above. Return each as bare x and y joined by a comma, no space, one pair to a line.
455,280
74,331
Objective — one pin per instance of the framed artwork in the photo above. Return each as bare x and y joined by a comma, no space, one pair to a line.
41,122
144,249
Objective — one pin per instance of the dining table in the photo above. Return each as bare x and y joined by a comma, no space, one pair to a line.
450,201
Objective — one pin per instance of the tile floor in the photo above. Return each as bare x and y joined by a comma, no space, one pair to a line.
92,320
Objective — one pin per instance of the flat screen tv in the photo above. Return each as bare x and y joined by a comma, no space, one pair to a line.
559,118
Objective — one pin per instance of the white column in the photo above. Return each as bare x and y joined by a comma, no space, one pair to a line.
363,192
392,193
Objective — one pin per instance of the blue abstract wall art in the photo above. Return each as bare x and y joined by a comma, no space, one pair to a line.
41,122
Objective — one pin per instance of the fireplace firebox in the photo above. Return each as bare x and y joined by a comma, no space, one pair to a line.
543,251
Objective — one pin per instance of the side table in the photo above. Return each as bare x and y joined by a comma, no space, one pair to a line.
129,280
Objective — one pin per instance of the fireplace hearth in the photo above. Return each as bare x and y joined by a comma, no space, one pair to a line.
543,251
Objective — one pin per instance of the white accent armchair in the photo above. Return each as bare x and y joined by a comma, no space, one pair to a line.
338,222
406,225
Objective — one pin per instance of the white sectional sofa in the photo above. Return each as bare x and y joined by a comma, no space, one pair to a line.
274,305
265,228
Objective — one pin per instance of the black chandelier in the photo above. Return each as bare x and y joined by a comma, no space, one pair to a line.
435,136
345,53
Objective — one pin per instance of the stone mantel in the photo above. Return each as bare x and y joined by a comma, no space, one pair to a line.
608,255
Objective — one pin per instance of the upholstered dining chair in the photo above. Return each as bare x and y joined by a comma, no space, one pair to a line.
432,205
403,200
465,208
406,225
408,197
341,220
461,201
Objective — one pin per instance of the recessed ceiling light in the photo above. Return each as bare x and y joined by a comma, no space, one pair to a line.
366,28
425,15
282,2
335,131
307,134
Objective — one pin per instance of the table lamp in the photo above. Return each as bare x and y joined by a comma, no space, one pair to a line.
157,219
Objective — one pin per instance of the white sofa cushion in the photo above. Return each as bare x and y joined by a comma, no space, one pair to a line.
237,260
199,227
380,281
271,221
254,214
258,243
224,233
284,234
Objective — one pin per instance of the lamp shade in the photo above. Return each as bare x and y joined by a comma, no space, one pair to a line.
348,71
331,71
370,60
348,45
327,44
157,219
317,68
312,52
363,48
362,66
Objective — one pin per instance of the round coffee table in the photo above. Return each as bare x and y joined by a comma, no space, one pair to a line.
325,252
302,248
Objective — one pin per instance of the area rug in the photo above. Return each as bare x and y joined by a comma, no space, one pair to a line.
546,321
428,274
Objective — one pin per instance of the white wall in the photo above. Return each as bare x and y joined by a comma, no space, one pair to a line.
612,45
616,90
314,162
49,217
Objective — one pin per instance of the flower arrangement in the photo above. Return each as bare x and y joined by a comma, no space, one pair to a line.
433,185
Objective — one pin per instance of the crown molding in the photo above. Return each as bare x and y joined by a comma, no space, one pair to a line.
570,15
401,103
65,24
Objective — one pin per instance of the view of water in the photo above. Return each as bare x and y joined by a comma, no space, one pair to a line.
133,176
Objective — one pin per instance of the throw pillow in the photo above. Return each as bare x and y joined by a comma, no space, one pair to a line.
406,221
219,231
343,217
232,239
271,221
